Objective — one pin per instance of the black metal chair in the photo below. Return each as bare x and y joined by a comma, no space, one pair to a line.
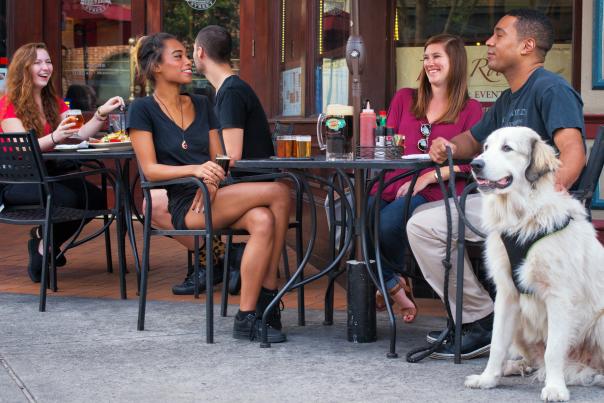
21,163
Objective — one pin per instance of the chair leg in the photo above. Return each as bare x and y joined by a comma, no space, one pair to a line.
226,271
285,264
329,295
45,274
142,298
209,289
301,311
52,261
108,245
196,268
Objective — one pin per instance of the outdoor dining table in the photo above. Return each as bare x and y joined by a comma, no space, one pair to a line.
121,161
361,316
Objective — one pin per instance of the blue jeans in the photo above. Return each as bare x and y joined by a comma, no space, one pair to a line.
392,233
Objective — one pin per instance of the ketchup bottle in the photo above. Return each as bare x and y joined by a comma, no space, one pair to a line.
368,123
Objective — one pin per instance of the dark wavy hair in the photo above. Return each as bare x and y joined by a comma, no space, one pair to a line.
149,51
457,80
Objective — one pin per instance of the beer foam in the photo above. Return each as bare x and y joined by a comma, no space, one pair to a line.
337,109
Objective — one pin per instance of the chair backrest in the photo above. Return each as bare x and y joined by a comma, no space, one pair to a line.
593,170
21,159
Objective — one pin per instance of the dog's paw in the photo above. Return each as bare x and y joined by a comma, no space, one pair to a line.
481,381
555,393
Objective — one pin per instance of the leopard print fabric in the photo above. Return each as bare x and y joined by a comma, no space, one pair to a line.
218,248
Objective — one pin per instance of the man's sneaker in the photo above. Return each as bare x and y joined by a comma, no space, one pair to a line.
264,299
188,285
249,328
432,336
475,341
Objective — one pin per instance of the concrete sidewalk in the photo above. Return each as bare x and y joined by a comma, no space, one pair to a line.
89,350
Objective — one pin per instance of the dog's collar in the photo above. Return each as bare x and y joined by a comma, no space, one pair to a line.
517,251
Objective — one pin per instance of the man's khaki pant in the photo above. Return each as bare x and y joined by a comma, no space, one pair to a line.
427,233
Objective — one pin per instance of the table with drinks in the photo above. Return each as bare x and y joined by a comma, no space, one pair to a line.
334,136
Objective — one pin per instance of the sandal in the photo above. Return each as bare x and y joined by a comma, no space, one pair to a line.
408,313
36,234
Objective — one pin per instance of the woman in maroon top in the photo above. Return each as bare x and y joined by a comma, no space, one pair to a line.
440,107
32,103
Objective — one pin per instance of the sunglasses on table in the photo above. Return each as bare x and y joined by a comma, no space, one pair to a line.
425,130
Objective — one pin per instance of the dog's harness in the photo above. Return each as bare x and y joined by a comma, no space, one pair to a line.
517,251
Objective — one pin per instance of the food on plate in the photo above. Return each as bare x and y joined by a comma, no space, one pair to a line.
116,137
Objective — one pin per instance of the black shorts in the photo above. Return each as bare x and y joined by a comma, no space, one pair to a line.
180,199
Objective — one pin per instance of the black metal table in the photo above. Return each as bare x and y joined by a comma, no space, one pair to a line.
121,160
361,295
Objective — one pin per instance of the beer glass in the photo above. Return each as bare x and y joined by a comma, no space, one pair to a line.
303,146
334,132
224,162
75,116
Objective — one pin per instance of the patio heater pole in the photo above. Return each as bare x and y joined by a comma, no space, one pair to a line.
360,292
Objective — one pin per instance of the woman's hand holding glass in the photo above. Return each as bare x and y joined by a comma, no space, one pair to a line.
64,130
211,174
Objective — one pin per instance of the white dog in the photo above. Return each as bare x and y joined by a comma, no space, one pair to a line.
549,308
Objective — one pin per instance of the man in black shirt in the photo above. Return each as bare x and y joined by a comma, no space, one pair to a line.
538,99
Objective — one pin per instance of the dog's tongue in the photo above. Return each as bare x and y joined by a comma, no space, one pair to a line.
503,181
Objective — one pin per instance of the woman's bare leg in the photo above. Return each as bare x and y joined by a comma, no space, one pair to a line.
162,219
230,207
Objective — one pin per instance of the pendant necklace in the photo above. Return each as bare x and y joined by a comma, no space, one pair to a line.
184,144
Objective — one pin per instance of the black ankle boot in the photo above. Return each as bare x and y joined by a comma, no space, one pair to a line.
265,298
248,326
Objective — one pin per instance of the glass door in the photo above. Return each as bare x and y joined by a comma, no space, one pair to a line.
95,51
185,18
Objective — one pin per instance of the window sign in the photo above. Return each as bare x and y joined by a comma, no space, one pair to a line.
335,82
484,84
291,92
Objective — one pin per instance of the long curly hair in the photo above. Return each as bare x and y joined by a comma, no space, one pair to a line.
20,87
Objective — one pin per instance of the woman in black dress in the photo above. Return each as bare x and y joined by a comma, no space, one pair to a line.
175,135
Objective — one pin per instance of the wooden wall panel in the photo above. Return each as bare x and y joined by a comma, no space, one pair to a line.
153,16
138,18
20,14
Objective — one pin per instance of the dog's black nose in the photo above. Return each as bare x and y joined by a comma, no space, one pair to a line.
477,165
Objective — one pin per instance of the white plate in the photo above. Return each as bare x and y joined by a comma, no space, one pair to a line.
94,150
416,157
123,145
70,147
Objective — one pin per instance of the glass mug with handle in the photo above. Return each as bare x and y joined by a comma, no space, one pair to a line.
334,132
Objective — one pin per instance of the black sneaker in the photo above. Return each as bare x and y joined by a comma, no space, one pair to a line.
432,336
475,341
249,328
265,298
188,285
34,268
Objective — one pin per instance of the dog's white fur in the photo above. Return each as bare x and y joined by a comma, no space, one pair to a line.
558,330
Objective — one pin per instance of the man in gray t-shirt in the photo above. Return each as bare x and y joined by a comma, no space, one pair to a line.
538,99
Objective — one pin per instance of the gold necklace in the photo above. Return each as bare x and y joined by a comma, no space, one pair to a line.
184,144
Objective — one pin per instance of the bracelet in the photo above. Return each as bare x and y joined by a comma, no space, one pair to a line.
53,139
435,177
99,116
210,182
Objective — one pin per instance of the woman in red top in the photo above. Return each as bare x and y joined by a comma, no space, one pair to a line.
440,107
32,103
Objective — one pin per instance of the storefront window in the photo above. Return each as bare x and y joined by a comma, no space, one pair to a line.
293,57
3,55
331,72
184,19
95,51
416,21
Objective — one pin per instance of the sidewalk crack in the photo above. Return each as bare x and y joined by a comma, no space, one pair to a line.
13,375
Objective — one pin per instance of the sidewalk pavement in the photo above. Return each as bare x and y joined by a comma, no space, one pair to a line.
89,350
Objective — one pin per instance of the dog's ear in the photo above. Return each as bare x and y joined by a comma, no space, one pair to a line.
543,160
